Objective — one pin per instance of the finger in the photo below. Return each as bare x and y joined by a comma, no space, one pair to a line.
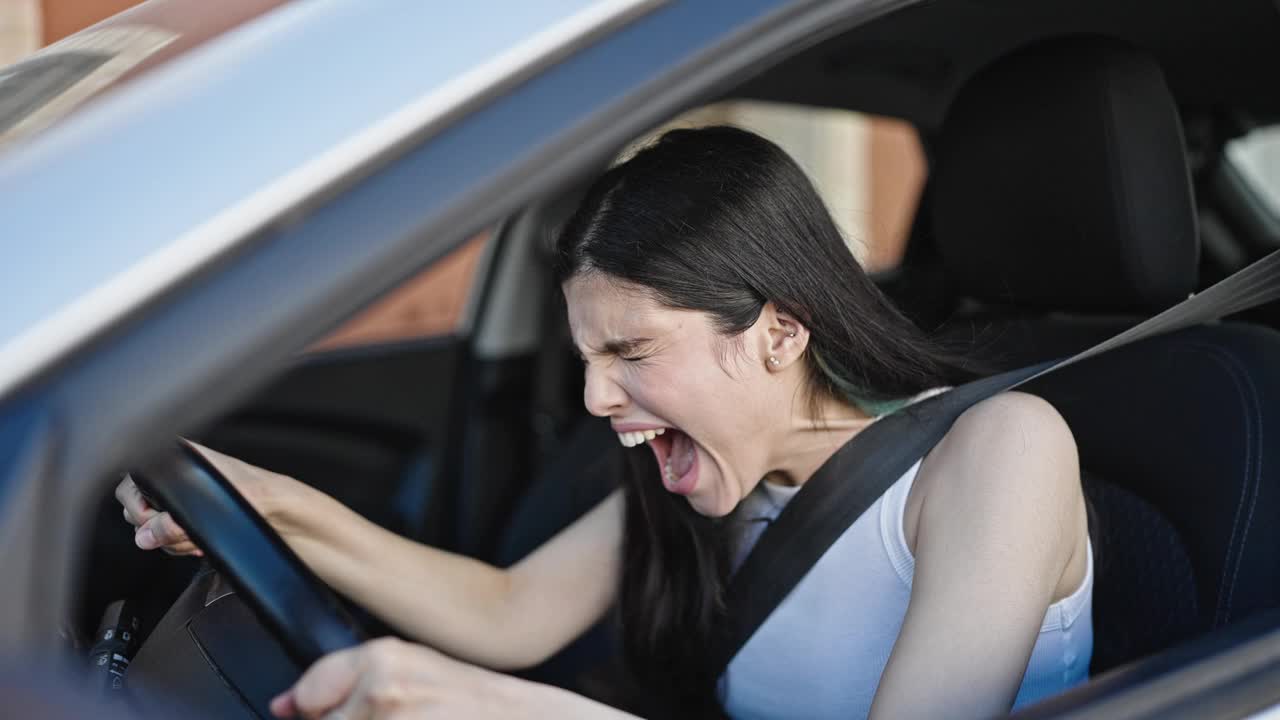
123,488
130,497
160,531
323,687
135,521
284,705
183,549
167,530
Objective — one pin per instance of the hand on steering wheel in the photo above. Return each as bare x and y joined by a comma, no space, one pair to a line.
152,528
300,610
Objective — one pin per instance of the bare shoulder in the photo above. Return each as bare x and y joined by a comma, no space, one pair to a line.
1012,450
1007,426
1011,421
1001,535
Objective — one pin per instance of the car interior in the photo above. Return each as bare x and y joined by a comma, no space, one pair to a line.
1077,184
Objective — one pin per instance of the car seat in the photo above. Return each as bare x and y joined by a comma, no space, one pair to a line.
1063,212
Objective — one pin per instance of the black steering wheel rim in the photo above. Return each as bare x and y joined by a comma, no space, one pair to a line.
303,614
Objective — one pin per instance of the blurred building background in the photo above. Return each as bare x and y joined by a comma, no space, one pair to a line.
869,170
20,29
26,25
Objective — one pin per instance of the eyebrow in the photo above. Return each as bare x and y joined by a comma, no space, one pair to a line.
621,346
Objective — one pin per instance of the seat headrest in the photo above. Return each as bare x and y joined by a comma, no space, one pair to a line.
1060,181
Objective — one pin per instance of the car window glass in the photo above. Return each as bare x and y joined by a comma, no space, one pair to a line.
868,169
1257,156
429,304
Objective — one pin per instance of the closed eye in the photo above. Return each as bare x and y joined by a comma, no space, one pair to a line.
628,350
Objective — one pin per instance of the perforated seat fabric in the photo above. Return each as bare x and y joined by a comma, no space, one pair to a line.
1153,565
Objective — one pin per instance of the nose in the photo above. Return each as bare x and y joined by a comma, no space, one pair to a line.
602,394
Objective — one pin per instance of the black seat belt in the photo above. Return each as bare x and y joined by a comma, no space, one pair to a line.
865,467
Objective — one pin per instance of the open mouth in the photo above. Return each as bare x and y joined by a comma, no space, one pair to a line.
676,454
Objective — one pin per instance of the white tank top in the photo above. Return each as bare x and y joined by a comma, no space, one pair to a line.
822,651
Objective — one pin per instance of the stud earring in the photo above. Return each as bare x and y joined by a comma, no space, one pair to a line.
774,361
791,334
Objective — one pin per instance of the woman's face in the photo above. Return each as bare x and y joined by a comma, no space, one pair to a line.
704,403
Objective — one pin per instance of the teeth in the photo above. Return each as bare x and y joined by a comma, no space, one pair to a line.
632,439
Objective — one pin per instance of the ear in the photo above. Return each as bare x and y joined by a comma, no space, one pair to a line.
783,338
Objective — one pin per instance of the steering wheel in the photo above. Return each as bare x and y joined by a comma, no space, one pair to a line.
303,614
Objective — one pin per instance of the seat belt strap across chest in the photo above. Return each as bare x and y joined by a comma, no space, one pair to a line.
865,467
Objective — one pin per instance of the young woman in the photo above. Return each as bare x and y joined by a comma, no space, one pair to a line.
726,328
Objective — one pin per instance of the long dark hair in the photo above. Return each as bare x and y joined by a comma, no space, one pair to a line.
720,220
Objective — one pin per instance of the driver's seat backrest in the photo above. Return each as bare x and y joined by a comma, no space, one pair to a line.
1061,202
1177,430
1063,211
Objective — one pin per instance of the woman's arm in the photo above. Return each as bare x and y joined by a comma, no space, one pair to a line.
1001,519
504,619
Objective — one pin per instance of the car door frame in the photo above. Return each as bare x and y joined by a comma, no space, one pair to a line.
66,430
